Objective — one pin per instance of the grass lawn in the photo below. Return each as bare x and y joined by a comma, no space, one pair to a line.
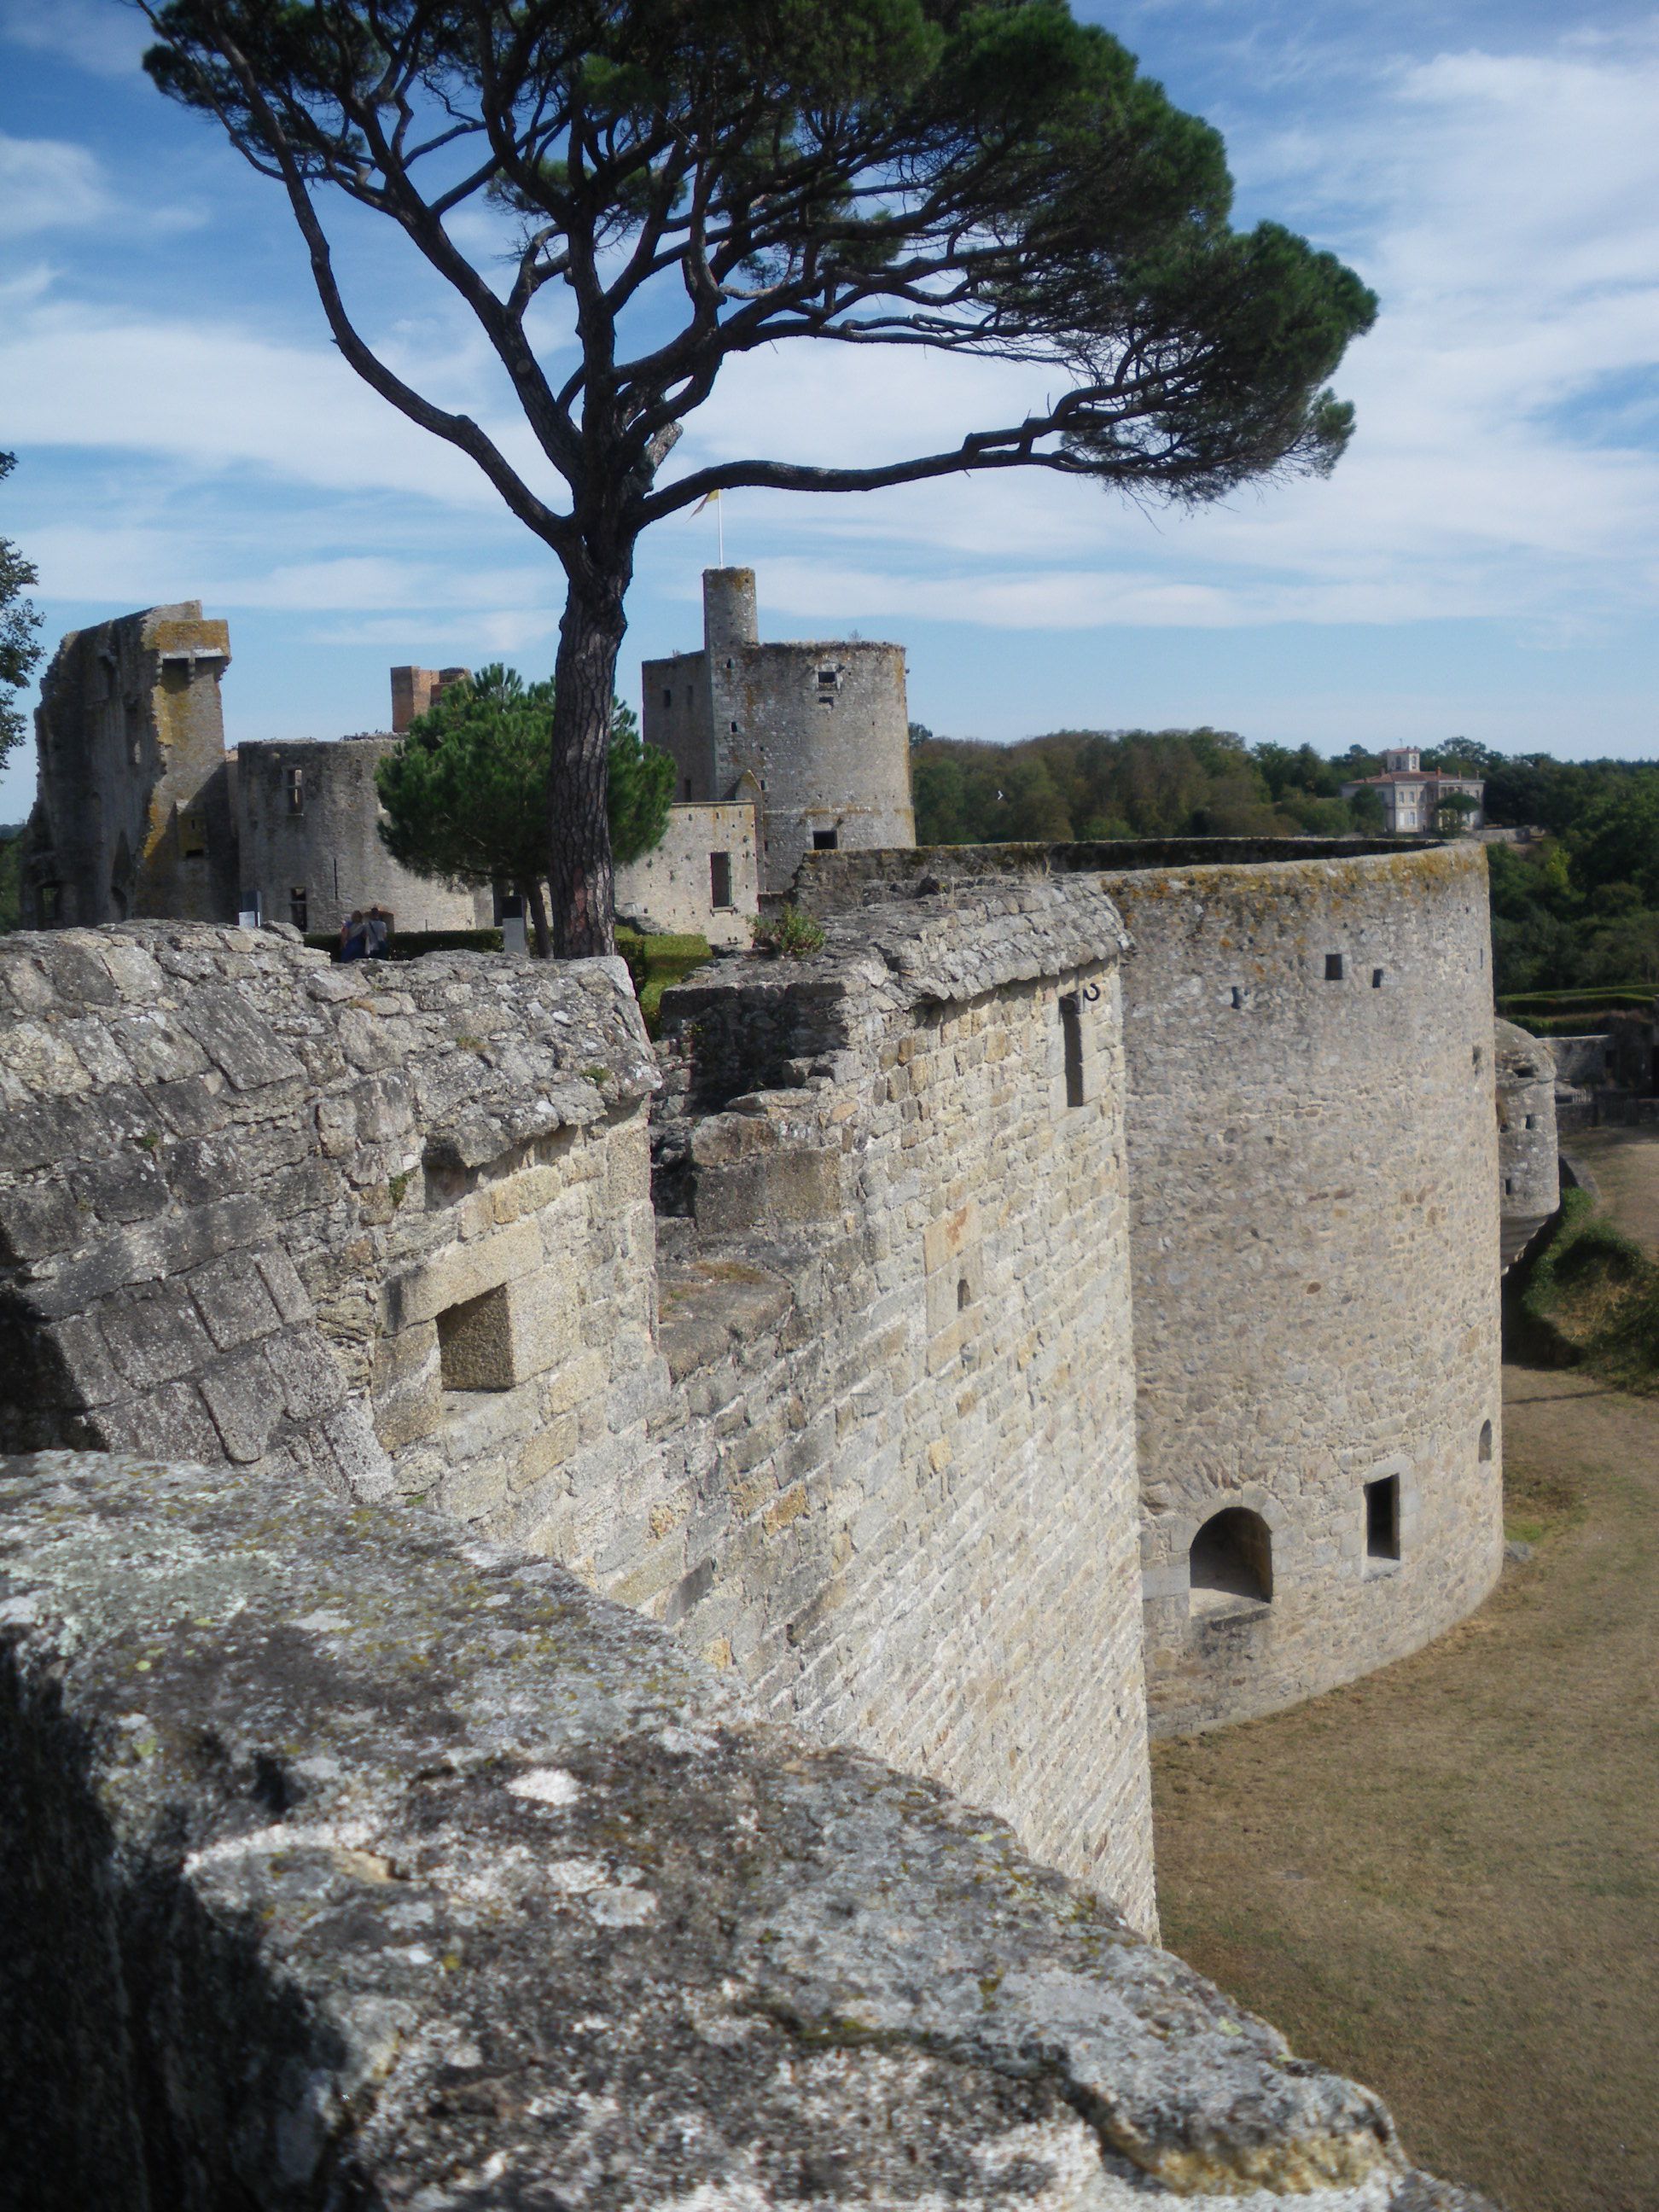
655,963
1444,1880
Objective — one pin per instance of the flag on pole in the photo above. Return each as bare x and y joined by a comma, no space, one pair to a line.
719,517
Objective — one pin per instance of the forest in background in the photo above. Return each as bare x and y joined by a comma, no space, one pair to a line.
1579,908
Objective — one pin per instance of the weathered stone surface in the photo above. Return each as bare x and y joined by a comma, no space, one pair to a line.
358,1869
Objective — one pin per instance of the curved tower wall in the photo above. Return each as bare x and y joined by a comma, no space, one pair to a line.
1312,1147
1529,1157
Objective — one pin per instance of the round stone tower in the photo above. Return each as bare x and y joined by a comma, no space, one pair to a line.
816,734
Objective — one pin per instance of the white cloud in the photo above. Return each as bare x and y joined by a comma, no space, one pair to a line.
47,183
214,397
1506,205
93,34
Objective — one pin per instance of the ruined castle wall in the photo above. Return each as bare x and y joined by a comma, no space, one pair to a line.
816,733
1528,1155
1312,1143
257,1208
823,730
133,813
673,889
311,851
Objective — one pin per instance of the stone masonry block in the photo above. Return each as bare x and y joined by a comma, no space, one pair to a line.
37,1218
156,1336
233,1301
129,1188
167,1424
89,1376
287,1291
237,1040
245,1399
309,1373
465,1272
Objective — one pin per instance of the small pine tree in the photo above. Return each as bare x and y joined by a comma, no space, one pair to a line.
19,621
466,793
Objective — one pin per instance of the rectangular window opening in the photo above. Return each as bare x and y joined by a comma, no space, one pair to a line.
667,695
475,1343
1383,1518
1508,1187
825,840
827,678
720,879
1071,1029
296,791
298,908
1336,967
1238,997
1376,978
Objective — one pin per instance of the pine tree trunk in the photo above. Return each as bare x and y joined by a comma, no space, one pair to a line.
580,875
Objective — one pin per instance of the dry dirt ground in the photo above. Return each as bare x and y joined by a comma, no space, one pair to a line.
1444,1880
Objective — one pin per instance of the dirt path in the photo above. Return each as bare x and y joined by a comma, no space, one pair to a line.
1625,1165
1445,1879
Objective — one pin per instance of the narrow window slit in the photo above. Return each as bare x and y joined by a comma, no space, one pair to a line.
1071,1027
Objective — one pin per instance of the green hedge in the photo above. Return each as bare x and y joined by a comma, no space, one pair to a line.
1594,1021
410,944
1629,996
655,963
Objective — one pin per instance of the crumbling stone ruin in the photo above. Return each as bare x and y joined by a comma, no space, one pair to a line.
360,1866
896,1333
134,815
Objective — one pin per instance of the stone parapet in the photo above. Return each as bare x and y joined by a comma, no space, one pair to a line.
348,1865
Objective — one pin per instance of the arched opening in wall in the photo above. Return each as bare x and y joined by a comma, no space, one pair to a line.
1483,1449
1232,1557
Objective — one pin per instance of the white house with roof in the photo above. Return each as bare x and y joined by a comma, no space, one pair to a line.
1412,794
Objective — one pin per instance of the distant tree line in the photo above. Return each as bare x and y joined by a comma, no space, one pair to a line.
1086,784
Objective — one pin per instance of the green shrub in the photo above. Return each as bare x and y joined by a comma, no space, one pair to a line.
789,933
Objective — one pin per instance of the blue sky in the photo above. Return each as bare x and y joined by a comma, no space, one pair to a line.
1484,562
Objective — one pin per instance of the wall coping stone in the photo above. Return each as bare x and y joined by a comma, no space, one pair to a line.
427,1878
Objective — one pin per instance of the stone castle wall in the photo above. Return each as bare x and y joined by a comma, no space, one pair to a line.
674,887
901,1320
876,1458
322,858
1312,1153
133,814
